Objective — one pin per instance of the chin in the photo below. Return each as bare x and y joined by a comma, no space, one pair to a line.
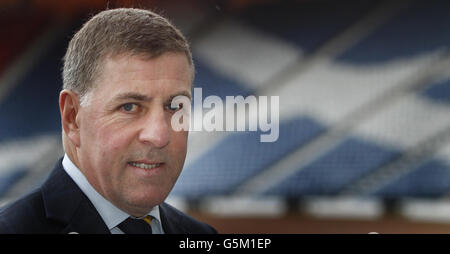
147,201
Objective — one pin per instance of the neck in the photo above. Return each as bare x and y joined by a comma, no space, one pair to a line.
70,150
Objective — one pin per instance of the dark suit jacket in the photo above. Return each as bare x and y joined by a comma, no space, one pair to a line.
59,206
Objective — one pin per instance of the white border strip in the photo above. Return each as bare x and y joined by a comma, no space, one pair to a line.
426,210
345,207
244,206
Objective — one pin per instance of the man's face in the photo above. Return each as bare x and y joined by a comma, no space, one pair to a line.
128,150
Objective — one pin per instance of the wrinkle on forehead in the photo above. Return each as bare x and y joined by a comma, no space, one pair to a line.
135,63
127,72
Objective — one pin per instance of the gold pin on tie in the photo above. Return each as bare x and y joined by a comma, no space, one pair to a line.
148,219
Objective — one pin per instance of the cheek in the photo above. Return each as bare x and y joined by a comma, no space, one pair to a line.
179,140
178,148
111,151
114,142
109,141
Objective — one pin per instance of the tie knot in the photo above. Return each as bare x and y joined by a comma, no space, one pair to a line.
136,225
148,219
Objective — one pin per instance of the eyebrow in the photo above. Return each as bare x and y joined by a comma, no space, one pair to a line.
182,93
141,97
134,96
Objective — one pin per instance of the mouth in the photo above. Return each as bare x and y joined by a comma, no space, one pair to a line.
145,165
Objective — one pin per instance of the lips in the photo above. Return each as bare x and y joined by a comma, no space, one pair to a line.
144,165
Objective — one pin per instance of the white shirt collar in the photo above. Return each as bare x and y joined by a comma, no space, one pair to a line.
111,215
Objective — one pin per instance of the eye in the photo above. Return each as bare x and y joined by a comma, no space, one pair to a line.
129,107
176,107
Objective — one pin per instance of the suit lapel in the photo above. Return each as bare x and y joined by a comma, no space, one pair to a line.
65,203
86,220
170,220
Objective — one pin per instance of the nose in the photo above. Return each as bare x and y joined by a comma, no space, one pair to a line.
155,129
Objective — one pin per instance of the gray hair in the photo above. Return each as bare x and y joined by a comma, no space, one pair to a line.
113,32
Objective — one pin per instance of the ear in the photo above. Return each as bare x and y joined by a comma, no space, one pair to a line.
69,105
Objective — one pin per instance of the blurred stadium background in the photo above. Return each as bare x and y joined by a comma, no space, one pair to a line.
364,90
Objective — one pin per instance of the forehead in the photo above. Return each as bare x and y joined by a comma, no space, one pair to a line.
121,73
168,65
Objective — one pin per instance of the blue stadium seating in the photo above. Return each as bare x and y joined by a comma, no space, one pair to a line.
418,29
439,92
428,180
307,24
240,156
353,159
213,83
350,160
32,106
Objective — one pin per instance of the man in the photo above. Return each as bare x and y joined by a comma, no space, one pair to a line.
122,157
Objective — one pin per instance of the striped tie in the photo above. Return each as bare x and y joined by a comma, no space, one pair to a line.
137,225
